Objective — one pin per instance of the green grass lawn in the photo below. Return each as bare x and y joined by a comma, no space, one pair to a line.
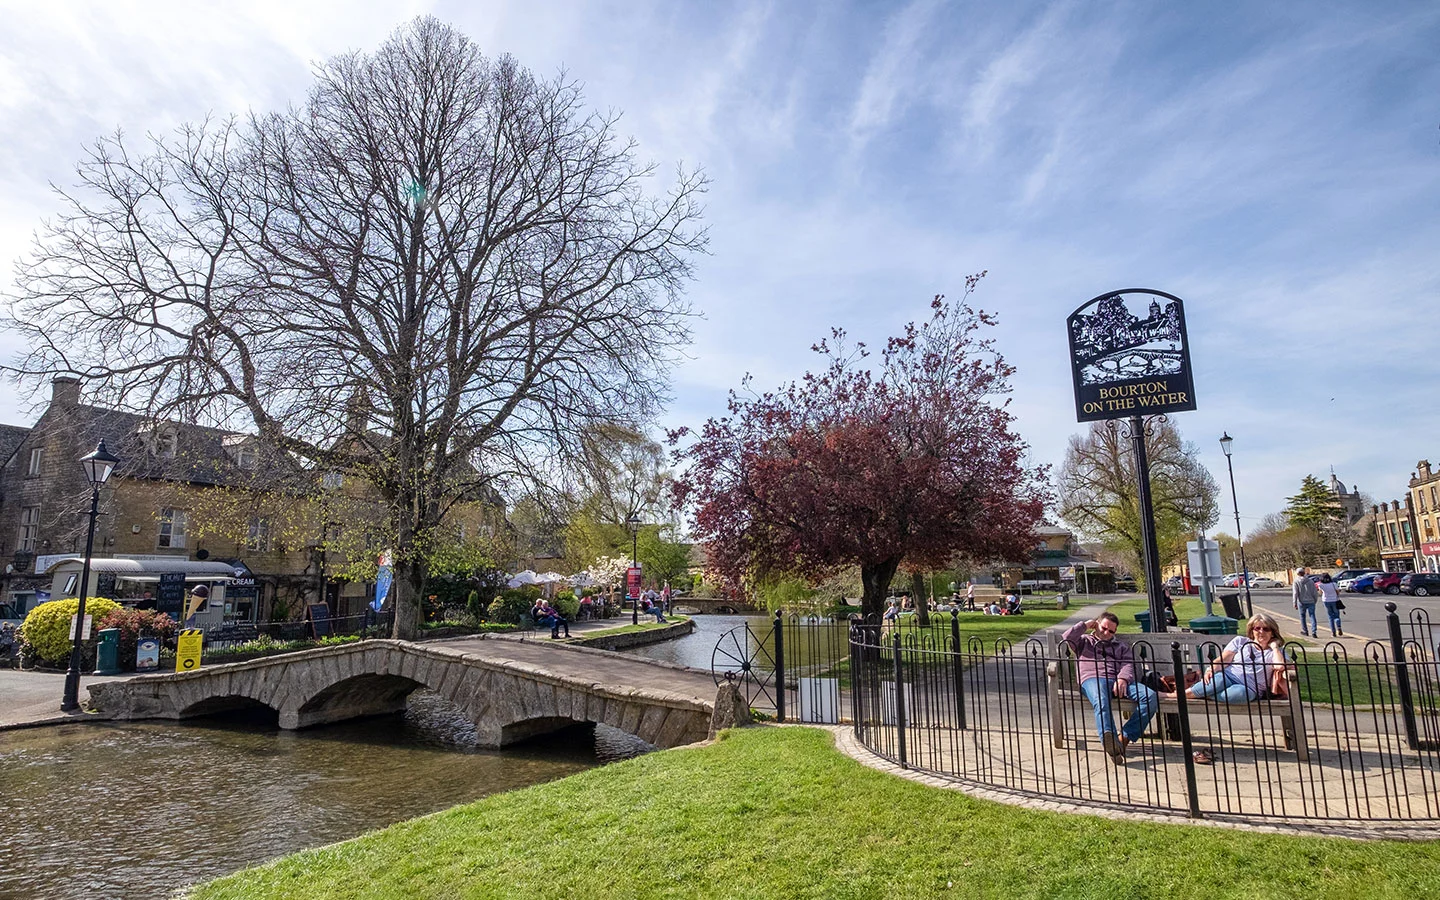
1012,628
778,813
627,628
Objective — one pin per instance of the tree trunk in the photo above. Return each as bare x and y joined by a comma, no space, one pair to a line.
408,583
875,578
922,599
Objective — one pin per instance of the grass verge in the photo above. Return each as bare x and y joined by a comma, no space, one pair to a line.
626,629
778,813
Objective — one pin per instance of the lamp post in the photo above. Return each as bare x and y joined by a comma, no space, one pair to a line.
98,464
634,523
1225,441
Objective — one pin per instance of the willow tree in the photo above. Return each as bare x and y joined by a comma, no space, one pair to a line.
1099,495
435,274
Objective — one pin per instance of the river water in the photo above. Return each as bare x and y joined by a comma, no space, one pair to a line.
697,648
141,809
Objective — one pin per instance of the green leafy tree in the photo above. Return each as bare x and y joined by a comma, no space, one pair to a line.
1315,507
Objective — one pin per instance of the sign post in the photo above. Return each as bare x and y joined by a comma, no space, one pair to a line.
1129,361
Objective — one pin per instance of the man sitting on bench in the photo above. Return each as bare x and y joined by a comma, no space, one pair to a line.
1106,668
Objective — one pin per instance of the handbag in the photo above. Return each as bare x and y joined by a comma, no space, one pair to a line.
1339,604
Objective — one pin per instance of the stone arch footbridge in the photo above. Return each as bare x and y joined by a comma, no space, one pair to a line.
509,689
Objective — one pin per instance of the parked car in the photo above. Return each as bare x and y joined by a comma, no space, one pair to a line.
1421,584
1365,584
1388,582
1126,583
1343,574
1261,581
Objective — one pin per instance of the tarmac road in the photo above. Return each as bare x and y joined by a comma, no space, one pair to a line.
1363,618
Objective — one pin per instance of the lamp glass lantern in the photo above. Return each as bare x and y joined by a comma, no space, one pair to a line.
98,464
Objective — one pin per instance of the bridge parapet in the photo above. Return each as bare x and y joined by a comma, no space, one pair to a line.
508,700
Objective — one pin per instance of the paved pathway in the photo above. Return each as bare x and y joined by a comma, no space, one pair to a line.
33,698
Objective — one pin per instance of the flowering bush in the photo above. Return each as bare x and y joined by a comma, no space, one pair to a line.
133,623
47,628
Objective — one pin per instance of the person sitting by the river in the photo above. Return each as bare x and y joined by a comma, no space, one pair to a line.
1105,669
994,608
1012,606
546,614
1250,667
648,606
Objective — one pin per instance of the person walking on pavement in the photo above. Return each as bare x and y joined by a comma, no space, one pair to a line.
1331,599
1305,596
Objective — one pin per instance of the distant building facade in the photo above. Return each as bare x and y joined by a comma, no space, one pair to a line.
1407,533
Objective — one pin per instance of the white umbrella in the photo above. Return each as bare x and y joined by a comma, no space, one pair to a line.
523,578
549,577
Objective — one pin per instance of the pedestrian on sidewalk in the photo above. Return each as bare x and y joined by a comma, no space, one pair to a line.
1331,598
1305,596
1105,669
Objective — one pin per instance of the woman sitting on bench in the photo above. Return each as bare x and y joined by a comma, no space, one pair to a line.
1243,671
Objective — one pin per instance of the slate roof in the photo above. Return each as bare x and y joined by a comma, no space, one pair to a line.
11,436
200,453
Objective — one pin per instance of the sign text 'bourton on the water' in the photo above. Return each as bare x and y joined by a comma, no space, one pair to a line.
1129,358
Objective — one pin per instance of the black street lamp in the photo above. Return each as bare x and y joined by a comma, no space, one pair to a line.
634,523
1225,441
98,465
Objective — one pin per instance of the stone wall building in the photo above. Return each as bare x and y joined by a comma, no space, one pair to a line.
1407,532
190,492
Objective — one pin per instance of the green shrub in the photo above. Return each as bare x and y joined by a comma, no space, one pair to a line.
133,623
474,608
513,605
567,604
47,628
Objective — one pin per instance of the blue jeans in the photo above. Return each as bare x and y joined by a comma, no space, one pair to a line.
1099,691
1333,611
1224,690
1308,609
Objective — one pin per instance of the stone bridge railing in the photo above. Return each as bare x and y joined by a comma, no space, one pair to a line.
507,701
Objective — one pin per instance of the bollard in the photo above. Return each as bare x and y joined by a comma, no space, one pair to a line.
1402,677
1186,747
900,702
779,665
959,668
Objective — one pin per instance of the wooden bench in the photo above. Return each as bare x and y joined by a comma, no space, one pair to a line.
1152,652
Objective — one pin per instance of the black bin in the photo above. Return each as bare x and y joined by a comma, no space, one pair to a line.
1231,602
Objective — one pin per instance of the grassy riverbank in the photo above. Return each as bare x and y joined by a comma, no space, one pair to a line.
778,813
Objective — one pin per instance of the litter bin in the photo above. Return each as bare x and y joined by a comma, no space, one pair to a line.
107,654
1213,625
1062,600
1231,602
1144,619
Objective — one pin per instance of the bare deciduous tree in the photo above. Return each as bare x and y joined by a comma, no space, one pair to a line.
435,274
1098,491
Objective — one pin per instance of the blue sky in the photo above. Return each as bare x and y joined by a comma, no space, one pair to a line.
1275,165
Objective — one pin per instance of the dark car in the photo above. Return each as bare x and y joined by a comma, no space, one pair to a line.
1126,583
1388,582
1421,584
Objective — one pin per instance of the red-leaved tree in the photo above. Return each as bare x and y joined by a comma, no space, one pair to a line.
913,462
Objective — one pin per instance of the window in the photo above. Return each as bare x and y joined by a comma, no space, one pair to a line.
258,535
331,480
1393,539
1381,532
165,443
1405,531
36,456
1420,495
1434,498
172,528
29,527
245,457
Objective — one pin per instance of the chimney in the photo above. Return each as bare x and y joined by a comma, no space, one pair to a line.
65,391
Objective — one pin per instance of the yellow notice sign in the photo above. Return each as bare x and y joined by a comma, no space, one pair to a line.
187,650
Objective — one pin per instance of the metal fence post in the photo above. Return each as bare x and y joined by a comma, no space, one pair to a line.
959,668
779,665
1191,788
900,702
1402,676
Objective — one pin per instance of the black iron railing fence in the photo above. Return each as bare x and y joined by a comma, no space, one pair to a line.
1353,737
